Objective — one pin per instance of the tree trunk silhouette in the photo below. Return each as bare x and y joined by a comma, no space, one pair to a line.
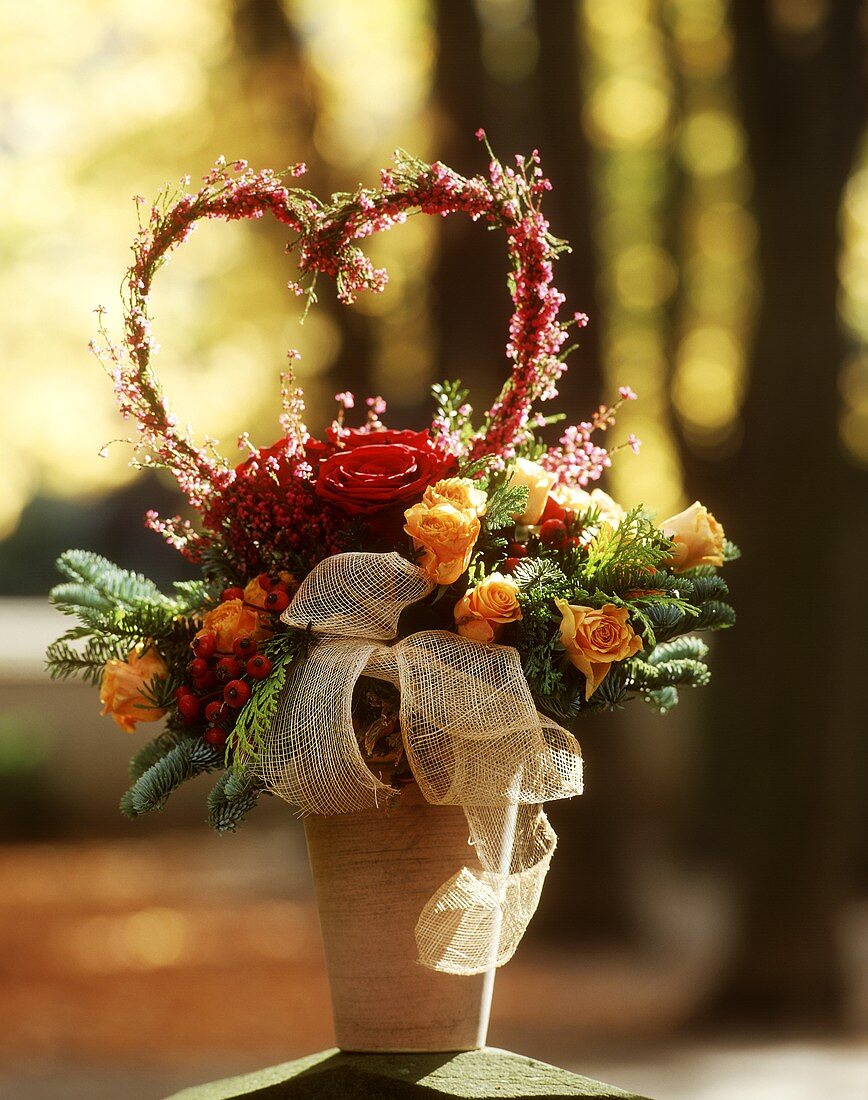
278,77
469,298
781,750
587,890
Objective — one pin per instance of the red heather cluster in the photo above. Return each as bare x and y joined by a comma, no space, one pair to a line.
270,511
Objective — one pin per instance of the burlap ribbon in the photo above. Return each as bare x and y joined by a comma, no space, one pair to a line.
472,734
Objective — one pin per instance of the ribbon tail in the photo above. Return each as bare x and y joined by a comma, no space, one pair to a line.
477,918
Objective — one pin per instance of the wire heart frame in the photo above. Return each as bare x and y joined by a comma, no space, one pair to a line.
325,240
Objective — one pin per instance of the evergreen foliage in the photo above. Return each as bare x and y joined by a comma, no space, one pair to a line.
184,760
286,651
233,797
504,504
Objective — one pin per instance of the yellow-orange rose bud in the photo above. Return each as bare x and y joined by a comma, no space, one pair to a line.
229,620
446,535
122,689
580,500
595,638
538,482
460,491
698,538
482,612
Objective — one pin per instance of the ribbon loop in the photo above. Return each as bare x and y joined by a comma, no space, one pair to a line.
472,735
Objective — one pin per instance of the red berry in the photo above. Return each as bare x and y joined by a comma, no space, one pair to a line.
236,693
204,682
244,646
552,510
228,668
264,581
553,533
198,667
215,735
190,706
510,564
258,667
277,600
517,549
181,692
205,643
232,593
214,710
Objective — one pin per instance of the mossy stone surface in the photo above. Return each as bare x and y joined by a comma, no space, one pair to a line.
341,1075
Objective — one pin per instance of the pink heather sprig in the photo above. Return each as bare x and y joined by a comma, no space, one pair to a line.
578,460
232,193
179,533
508,199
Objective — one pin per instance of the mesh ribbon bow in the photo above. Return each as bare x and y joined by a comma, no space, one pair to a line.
472,735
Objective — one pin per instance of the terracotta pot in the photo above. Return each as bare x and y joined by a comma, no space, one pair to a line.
373,872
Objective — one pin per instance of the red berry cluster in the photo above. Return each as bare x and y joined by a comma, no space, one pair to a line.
219,680
557,530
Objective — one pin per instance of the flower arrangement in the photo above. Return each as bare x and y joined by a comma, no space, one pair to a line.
474,536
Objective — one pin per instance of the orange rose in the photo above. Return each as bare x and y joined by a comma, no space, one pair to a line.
460,491
596,637
229,620
482,612
698,538
446,535
122,689
538,482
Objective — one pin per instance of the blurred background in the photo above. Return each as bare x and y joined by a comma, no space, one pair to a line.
704,929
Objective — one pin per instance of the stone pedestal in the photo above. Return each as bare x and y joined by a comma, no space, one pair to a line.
337,1075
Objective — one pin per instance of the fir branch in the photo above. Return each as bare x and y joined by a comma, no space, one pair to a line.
186,759
150,753
714,615
685,647
684,672
234,795
64,660
730,551
96,580
192,596
707,588
662,699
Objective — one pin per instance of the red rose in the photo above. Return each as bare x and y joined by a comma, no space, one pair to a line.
378,469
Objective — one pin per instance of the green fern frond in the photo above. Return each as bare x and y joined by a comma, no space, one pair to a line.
286,651
504,505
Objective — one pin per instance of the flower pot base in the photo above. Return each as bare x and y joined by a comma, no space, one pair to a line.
373,872
334,1075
